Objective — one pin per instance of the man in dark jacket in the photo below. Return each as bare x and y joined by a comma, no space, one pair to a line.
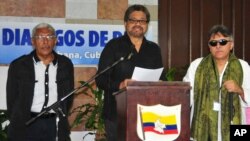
146,54
36,81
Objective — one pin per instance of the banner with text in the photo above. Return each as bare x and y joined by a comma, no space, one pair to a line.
82,43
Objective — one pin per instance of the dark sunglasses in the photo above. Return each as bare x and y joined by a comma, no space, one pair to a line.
222,42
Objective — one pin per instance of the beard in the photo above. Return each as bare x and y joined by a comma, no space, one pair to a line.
136,31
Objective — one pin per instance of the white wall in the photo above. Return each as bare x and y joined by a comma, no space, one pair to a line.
3,79
78,136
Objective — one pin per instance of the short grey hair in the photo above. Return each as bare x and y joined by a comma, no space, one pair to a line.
43,25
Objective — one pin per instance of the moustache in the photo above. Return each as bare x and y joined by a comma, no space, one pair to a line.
137,27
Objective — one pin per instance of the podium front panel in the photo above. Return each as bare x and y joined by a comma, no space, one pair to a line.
148,94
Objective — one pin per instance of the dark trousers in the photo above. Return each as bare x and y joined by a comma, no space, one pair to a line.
42,129
111,129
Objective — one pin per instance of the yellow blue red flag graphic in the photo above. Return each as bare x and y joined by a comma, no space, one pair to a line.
158,122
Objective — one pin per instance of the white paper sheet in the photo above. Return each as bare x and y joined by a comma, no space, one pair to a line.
142,74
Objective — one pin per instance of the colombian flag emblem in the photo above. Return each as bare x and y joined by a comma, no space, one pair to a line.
158,122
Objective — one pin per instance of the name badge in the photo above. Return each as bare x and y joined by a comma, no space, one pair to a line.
216,106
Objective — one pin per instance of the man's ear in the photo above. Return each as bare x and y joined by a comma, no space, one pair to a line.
55,41
33,42
232,46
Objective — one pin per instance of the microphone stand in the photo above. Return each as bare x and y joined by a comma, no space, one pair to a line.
55,106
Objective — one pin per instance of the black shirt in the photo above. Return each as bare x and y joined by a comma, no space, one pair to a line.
148,57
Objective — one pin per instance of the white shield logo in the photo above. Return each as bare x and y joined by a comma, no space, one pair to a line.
158,122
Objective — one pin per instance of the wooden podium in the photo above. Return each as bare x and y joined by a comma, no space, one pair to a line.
151,93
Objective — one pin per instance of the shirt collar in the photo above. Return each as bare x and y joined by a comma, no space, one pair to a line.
36,59
129,41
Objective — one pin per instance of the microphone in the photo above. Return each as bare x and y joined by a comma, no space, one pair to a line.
129,56
132,47
126,57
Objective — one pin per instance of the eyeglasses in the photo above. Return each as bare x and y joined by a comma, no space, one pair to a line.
42,37
134,21
222,42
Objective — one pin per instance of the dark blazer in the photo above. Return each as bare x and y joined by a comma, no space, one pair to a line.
20,90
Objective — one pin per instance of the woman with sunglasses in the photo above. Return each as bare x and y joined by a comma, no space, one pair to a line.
220,88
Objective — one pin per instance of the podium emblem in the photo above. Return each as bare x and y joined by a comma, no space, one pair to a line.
158,122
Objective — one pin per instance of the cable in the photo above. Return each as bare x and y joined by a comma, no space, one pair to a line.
89,133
